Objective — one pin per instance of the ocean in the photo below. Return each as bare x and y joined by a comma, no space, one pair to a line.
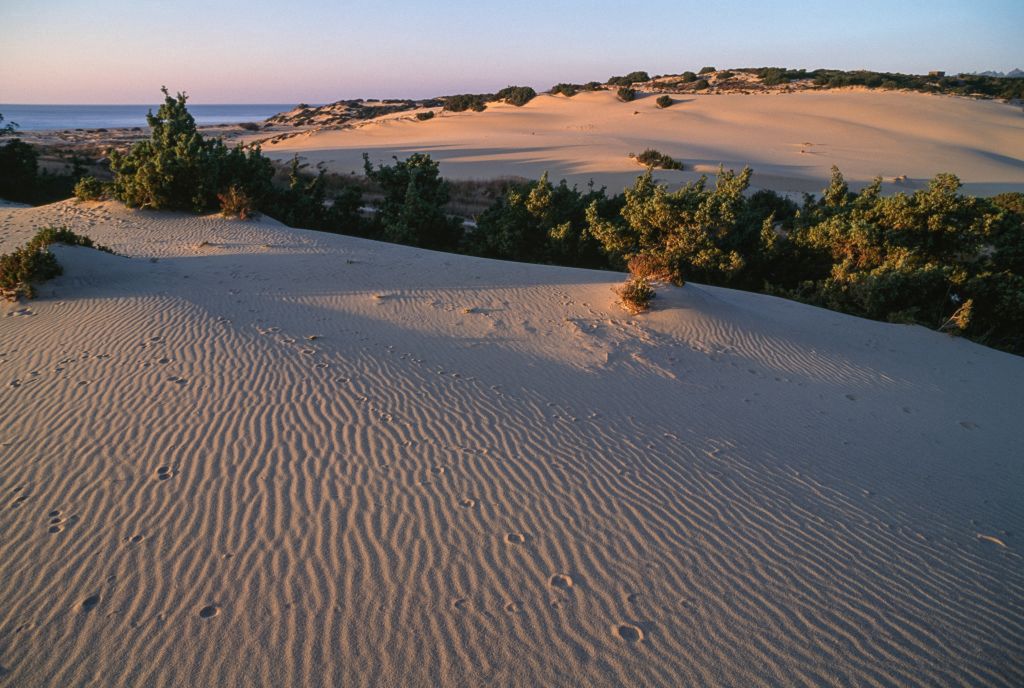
59,117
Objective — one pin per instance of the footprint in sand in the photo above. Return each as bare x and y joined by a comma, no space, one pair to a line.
513,607
561,580
163,473
629,633
56,522
90,602
969,425
467,503
851,397
515,538
209,611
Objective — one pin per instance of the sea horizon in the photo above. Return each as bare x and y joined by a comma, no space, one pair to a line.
56,117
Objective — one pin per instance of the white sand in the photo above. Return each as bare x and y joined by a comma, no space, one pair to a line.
791,140
756,491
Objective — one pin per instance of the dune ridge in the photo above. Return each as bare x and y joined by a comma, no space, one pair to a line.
271,456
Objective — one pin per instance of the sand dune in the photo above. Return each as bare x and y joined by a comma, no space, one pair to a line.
281,457
791,140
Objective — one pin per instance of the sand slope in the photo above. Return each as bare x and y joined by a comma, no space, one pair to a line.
291,458
791,140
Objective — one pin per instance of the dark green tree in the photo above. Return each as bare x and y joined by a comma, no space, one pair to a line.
412,211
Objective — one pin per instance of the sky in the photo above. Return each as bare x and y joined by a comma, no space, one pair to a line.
317,51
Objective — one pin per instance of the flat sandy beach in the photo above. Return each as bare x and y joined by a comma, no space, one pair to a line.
790,140
244,454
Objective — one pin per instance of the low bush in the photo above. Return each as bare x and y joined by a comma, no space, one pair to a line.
700,84
707,70
25,267
89,188
567,90
249,126
626,94
424,116
725,75
235,202
654,158
687,77
636,294
664,101
629,79
516,95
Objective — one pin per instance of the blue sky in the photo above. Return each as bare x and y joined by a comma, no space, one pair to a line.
120,51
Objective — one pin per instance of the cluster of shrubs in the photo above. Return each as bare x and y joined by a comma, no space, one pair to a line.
569,90
424,116
21,179
935,257
33,263
516,95
629,79
655,158
477,102
963,84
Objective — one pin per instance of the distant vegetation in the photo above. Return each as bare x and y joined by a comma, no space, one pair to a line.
33,263
21,179
516,95
626,94
654,158
569,90
476,102
629,79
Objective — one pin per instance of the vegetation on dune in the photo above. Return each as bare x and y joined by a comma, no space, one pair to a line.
664,101
33,263
476,102
90,188
654,158
626,94
541,222
569,90
629,79
20,177
177,169
424,116
412,210
516,95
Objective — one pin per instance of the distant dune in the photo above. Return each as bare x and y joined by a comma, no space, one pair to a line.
243,454
791,140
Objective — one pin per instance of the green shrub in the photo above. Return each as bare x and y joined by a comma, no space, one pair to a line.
700,84
664,101
412,211
687,77
707,70
19,176
466,101
653,158
567,90
626,94
89,188
722,76
177,169
541,223
516,95
629,79
21,269
424,116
